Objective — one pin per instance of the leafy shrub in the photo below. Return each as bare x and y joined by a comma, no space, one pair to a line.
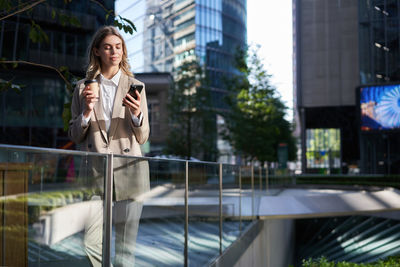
323,262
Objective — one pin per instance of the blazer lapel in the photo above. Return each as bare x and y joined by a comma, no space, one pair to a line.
118,109
98,113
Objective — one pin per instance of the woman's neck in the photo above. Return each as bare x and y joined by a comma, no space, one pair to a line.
108,73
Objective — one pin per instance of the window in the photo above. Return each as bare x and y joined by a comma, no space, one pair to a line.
323,148
154,116
185,24
185,39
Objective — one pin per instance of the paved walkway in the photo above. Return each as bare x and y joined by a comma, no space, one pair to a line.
305,203
283,203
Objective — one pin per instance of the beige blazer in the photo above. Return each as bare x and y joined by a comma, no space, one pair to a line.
131,176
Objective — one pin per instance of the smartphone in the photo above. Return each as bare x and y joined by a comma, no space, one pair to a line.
132,89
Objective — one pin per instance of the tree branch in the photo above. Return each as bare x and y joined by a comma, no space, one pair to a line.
23,9
102,6
37,65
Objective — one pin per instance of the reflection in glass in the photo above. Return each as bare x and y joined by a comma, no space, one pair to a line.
47,202
52,209
204,223
231,196
152,216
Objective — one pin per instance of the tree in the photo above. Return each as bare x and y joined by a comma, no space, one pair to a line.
255,125
192,122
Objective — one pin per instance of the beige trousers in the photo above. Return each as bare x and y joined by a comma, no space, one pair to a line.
126,217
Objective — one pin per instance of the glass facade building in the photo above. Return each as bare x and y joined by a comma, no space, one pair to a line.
33,115
379,31
169,32
339,47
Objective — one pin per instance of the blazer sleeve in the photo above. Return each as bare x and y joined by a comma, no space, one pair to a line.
142,132
77,131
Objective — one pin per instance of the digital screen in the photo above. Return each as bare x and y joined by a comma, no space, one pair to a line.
380,107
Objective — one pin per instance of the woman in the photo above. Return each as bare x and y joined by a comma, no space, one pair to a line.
115,123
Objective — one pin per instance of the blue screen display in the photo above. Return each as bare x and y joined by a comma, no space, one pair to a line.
380,107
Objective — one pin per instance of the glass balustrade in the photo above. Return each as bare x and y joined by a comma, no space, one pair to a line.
49,199
204,213
72,208
148,212
232,223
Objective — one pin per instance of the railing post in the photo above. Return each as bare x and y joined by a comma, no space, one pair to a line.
186,258
266,178
220,209
260,177
240,199
252,190
107,214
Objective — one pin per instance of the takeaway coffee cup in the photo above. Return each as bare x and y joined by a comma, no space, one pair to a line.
94,86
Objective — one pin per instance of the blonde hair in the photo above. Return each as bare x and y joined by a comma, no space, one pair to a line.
94,64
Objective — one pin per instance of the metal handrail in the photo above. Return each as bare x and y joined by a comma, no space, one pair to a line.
51,150
88,153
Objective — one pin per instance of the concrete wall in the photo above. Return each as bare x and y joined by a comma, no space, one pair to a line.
273,246
328,47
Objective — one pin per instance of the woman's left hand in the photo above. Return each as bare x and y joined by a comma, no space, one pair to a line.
132,104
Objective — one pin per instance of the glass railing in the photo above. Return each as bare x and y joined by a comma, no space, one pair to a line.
72,208
48,199
204,212
232,223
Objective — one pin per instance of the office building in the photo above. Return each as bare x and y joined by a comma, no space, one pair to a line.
338,46
33,116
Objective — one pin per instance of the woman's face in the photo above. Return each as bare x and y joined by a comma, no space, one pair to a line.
110,51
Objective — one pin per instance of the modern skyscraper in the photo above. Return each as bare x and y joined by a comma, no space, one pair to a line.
339,45
169,31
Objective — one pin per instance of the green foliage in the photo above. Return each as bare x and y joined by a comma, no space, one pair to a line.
192,121
323,262
66,20
124,24
5,5
324,139
69,77
256,124
66,115
36,34
7,85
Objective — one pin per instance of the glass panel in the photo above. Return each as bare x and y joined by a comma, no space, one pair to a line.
247,199
51,207
258,192
70,43
8,39
323,148
204,227
22,43
148,212
232,225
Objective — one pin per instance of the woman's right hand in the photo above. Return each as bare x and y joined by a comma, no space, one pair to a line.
90,101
